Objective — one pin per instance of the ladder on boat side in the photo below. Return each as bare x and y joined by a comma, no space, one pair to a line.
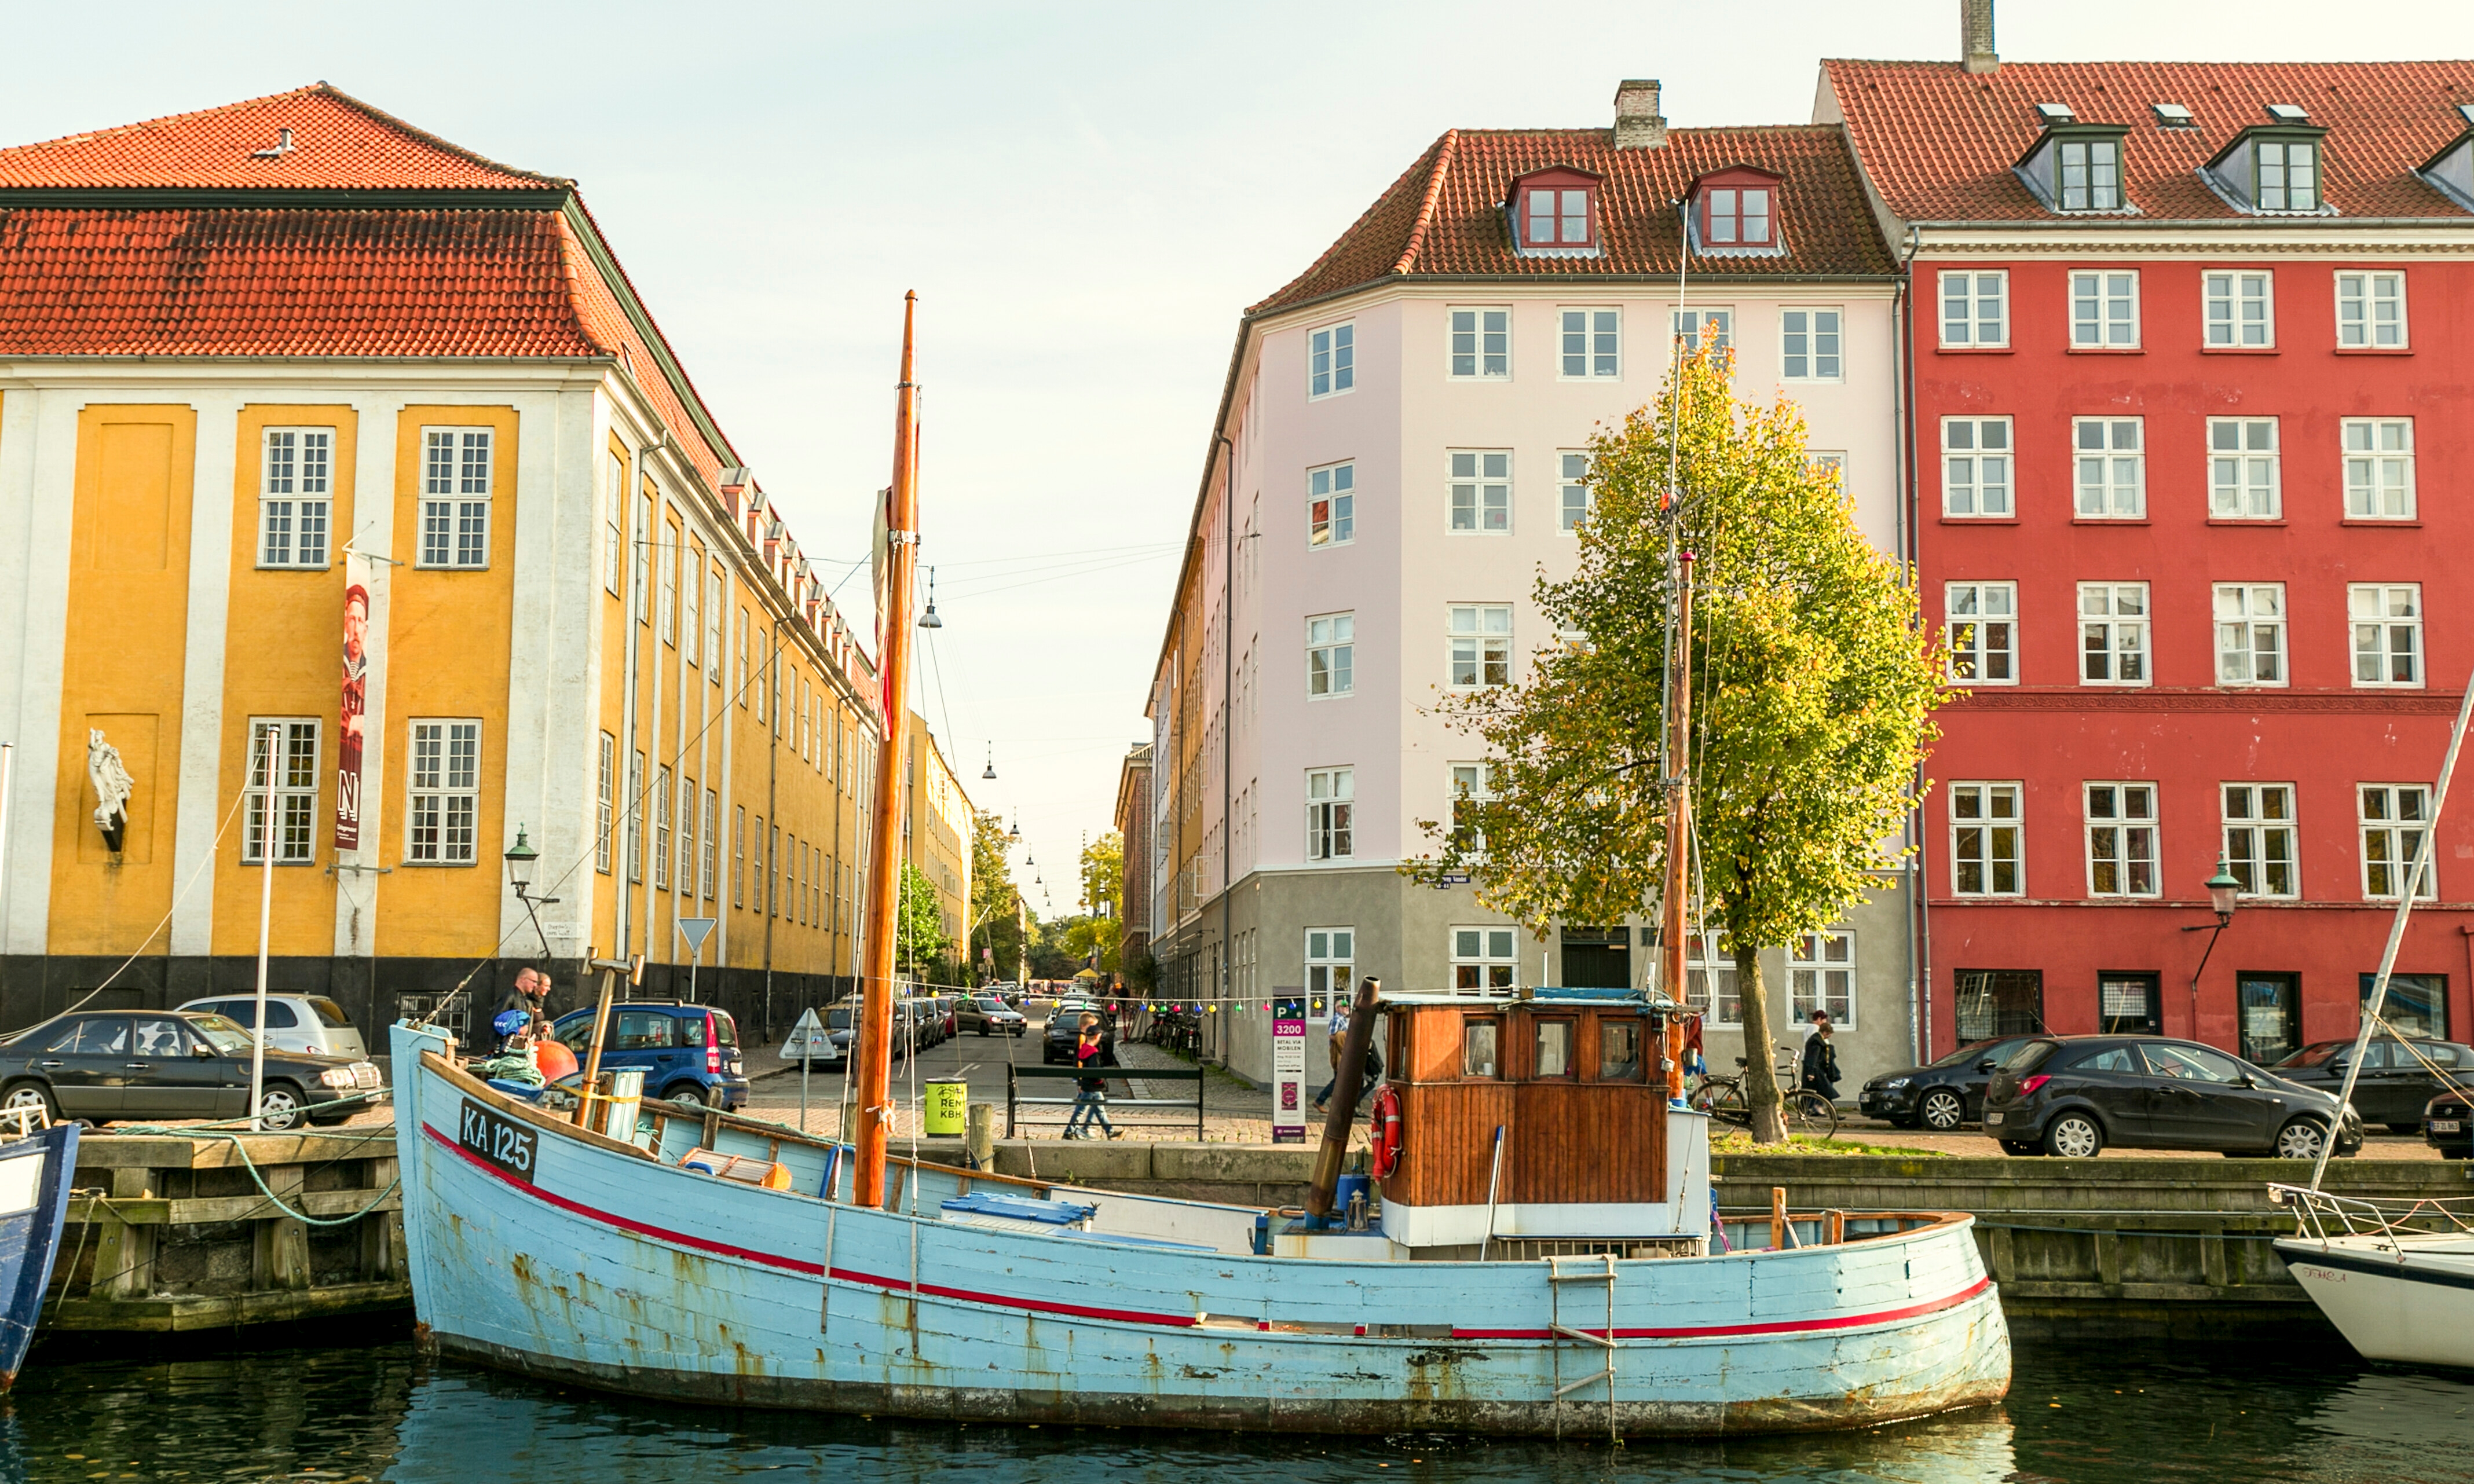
1563,1334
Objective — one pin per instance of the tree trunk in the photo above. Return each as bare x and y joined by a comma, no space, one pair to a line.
1761,1077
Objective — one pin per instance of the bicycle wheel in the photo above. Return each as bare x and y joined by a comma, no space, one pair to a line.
1725,1104
1810,1113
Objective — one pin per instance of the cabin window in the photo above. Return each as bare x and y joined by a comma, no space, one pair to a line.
1480,1041
1619,1051
1554,1047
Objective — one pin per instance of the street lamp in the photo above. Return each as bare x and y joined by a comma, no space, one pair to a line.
2224,893
522,861
929,620
992,762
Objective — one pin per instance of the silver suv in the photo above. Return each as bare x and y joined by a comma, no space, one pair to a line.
294,1022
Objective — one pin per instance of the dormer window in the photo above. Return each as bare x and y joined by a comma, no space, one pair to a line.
2075,166
2091,175
1560,216
2289,175
1737,209
2273,167
1555,212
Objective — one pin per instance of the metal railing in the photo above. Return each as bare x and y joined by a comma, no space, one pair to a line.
1015,1102
2320,1216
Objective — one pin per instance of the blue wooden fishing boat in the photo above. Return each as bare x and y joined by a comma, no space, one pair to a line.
36,1162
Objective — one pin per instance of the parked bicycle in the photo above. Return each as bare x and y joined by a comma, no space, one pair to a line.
1806,1112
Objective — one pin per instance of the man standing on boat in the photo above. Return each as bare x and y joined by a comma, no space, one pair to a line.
530,994
1821,1059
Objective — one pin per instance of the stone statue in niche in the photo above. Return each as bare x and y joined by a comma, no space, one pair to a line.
112,786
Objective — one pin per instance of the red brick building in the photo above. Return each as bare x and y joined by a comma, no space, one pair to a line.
2187,433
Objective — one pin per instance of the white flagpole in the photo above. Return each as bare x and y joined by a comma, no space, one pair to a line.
265,915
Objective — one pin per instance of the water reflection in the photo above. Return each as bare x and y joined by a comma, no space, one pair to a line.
342,1415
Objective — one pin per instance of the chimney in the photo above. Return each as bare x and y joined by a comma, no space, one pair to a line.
1639,125
1976,37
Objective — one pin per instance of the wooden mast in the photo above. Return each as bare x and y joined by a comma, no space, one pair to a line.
1672,924
875,1057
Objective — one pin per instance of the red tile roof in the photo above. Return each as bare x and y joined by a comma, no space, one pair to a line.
339,143
1938,141
1444,217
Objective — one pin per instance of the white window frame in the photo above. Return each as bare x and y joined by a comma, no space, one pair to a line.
667,623
663,810
1331,656
632,812
614,520
296,498
1818,460
1982,619
1975,474
2390,838
2122,837
2113,633
2238,309
739,857
1331,814
2245,470
1331,967
442,792
2102,308
1821,975
295,790
2366,292
2380,613
1812,343
1972,293
1988,832
604,813
2378,467
1713,980
453,528
710,845
1474,639
1331,360
1486,333
1710,326
1485,959
2250,634
690,604
1473,473
2109,469
1471,783
716,605
1575,494
1331,505
1590,337
641,560
2262,839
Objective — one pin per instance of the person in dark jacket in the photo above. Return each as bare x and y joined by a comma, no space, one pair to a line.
1820,1058
1091,1102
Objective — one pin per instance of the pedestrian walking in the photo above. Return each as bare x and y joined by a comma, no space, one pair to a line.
1821,1059
1091,1100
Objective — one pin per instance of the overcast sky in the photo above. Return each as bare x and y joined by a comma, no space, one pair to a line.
1084,197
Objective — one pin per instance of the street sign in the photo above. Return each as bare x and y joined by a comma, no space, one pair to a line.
695,930
808,1039
1451,879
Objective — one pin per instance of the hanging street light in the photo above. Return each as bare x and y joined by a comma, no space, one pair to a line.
523,860
929,620
992,762
2224,893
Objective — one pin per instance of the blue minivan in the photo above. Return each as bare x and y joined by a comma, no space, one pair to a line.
690,1052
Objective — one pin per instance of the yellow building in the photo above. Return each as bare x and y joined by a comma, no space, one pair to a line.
321,436
936,831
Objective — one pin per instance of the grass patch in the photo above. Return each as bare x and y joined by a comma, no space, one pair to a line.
1738,1141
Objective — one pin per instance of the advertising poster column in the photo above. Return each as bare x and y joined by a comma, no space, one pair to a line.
1288,1066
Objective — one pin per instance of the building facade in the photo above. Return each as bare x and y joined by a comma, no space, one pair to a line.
1398,457
1133,818
359,515
936,833
2186,346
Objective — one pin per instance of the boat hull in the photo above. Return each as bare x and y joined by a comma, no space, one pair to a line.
35,1175
2404,1299
593,1265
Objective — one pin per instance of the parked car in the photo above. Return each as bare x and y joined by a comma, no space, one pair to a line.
1065,1028
950,1008
2394,1085
2072,1095
1941,1095
148,1065
2448,1124
927,1022
690,1052
990,1016
294,1022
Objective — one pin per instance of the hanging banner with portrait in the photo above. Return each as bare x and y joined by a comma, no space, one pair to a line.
348,728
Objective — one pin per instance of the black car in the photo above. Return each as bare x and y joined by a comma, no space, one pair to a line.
2072,1095
2394,1083
1065,1028
1940,1096
2448,1124
146,1066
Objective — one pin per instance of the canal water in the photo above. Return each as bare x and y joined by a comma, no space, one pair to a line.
2141,1414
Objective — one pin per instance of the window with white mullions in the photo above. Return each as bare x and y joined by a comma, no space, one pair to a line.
1331,360
2104,310
1808,341
2245,481
455,480
614,520
1974,310
1705,329
1976,467
442,809
2259,839
662,828
710,842
1331,505
296,497
1709,981
1591,347
2379,469
605,785
2112,468
1471,789
1481,491
2113,633
2371,311
634,805
1331,651
2238,310
1332,952
1983,638
1984,839
1481,646
2121,838
1481,343
1485,961
1331,824
1572,494
2393,816
287,747
2388,632
1821,976
2250,633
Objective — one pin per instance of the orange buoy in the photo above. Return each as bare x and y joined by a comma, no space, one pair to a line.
556,1060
